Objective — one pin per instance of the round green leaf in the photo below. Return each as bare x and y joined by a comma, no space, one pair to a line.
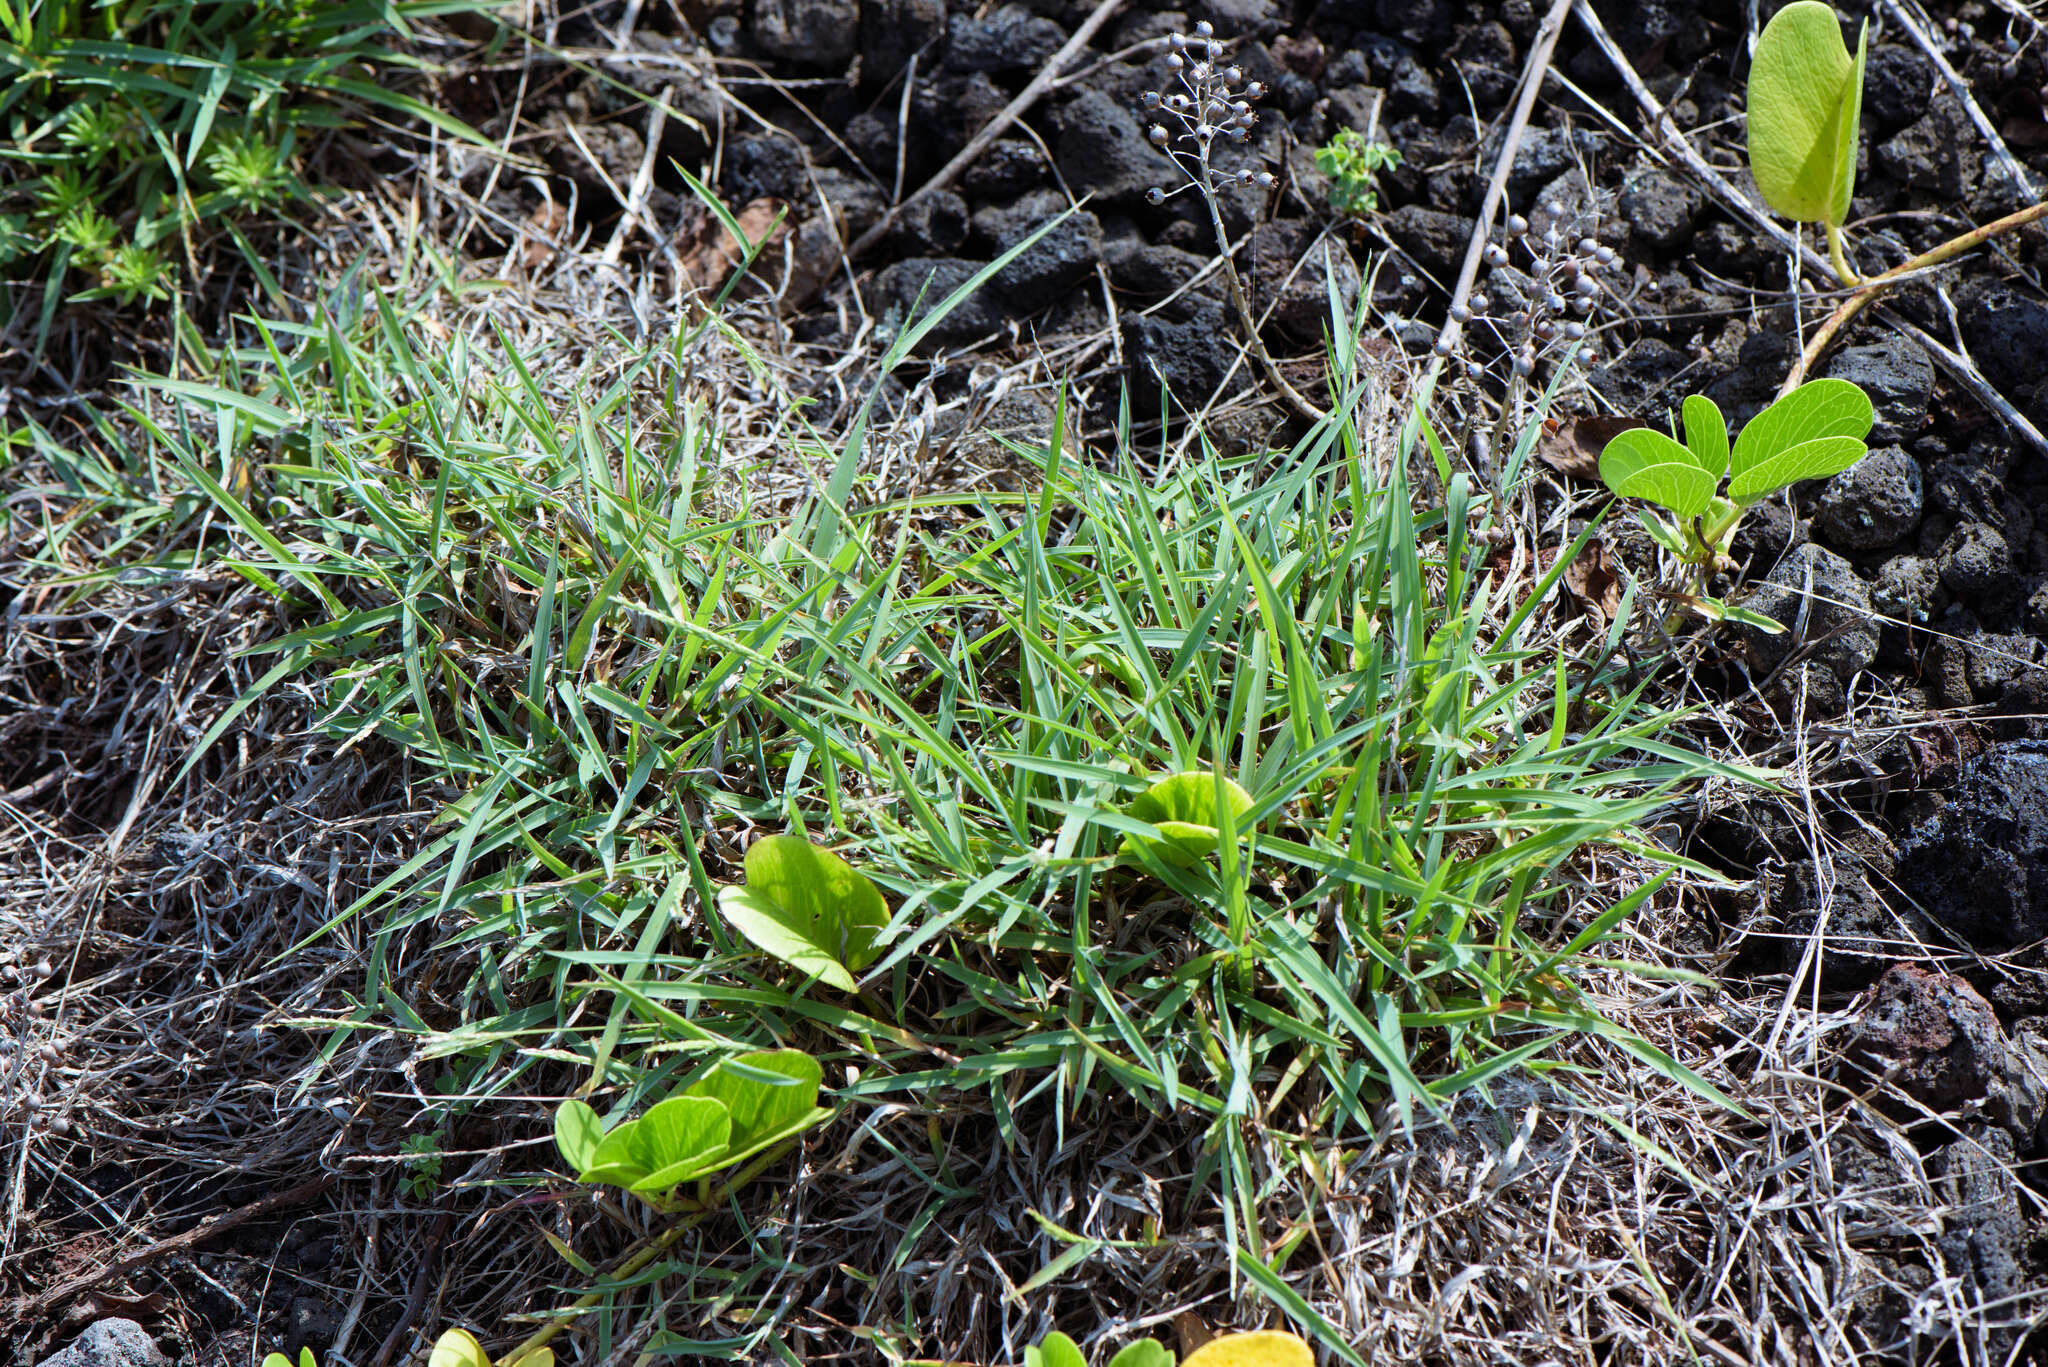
1143,1353
1640,463
1055,1350
682,1138
1184,808
807,907
770,1096
1818,408
1808,460
1802,112
578,1132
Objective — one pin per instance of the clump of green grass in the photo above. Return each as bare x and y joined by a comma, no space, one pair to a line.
620,671
134,129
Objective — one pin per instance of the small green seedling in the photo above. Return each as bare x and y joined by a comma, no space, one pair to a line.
1187,809
1815,431
1805,99
306,1359
744,1105
1353,166
459,1348
807,907
1260,1348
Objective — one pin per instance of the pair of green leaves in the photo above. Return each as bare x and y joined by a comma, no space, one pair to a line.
807,907
1805,100
1815,431
1260,1348
736,1110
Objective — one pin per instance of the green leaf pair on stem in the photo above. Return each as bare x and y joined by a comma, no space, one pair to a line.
741,1107
1815,431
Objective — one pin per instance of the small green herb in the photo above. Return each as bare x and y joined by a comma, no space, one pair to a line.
1815,431
744,1105
807,907
422,1163
1353,166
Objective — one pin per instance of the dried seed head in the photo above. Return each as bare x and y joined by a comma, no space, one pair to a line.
1179,104
1582,304
1525,363
1553,301
1215,50
1205,131
1443,347
1152,100
1175,60
1460,313
1544,329
1205,29
1587,246
1178,41
1587,287
1517,225
1264,180
1200,71
1157,132
1234,74
1255,91
1239,131
1604,255
1496,255
1155,195
1479,303
1574,330
1475,371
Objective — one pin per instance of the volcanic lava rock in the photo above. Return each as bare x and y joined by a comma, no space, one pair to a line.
1976,566
1980,866
891,30
819,32
1937,152
1187,360
1898,83
1102,151
1661,206
1906,588
1864,934
2006,331
1936,1040
913,287
765,168
1050,266
933,224
1148,269
1813,582
1432,240
109,1343
1899,379
1010,39
1297,299
1983,1235
1874,503
1634,382
1009,167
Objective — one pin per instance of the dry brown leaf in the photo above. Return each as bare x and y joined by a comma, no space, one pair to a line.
712,255
543,226
1593,578
1572,446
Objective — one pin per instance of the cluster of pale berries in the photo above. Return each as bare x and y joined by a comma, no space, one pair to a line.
1214,101
1562,304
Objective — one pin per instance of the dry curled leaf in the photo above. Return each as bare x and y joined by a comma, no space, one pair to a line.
1595,581
1572,446
542,233
711,254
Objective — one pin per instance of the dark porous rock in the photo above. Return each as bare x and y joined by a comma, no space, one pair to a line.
872,142
1010,39
817,32
1484,55
1290,272
1432,240
854,199
1544,154
1009,167
1976,566
1873,504
311,1322
1661,206
1254,19
946,113
1752,386
1906,588
109,1343
1148,269
1984,1234
1936,1040
892,30
1762,537
1050,266
1186,361
2006,331
1980,866
1864,934
1102,151
1969,489
1732,251
765,168
1422,23
933,224
912,288
2037,610
1898,83
1636,381
1411,90
1993,661
1899,379
1937,152
1812,581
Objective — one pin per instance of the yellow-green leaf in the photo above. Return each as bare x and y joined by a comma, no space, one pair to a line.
1805,97
1184,808
1640,463
770,1095
807,907
1817,409
458,1348
578,1132
1261,1348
